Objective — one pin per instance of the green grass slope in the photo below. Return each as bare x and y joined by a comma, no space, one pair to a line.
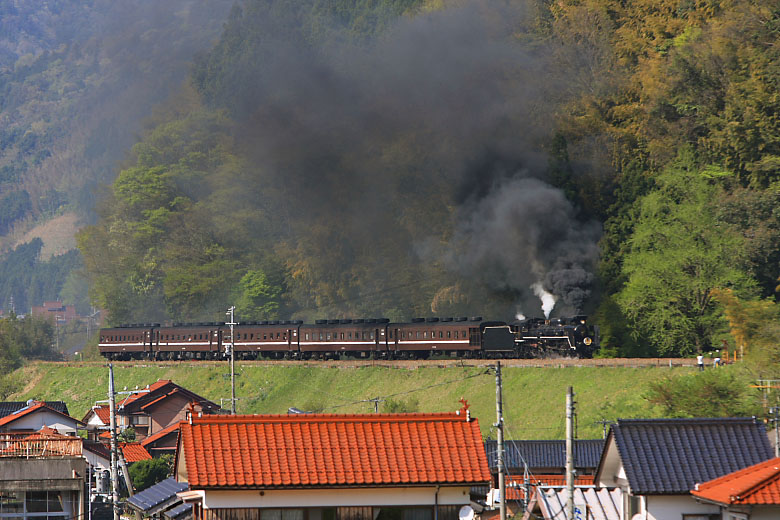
534,398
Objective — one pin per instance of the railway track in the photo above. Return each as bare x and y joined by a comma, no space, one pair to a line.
412,364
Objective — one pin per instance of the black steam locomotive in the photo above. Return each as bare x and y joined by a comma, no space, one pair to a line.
353,338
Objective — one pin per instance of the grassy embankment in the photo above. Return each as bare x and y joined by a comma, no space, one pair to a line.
534,398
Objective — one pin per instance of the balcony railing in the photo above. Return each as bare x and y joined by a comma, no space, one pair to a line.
36,445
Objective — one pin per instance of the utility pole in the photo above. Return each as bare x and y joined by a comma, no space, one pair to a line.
500,444
570,452
773,412
232,323
114,472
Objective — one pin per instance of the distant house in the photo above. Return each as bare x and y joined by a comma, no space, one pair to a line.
150,410
57,311
657,462
97,420
752,493
35,415
323,466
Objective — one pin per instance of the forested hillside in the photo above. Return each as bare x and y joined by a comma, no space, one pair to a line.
416,157
77,80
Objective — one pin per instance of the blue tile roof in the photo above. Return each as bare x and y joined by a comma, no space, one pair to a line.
669,456
545,454
178,512
162,493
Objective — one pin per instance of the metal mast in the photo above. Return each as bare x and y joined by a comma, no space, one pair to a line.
500,444
114,472
232,323
570,452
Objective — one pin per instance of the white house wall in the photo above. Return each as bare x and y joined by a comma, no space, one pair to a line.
36,421
672,507
337,497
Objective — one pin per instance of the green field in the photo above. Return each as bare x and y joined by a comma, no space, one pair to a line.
534,398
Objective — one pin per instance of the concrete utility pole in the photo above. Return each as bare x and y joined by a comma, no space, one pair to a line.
570,452
773,411
500,444
232,323
114,472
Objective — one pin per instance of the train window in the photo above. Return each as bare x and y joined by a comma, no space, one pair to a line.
284,336
265,336
425,334
328,337
342,335
463,334
449,334
403,334
277,335
307,336
349,335
371,335
390,334
417,334
441,334
252,336
320,336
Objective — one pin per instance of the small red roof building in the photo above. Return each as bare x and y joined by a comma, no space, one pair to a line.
133,452
150,410
755,485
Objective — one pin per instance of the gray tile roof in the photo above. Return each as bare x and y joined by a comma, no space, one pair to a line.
602,504
669,456
158,497
545,454
179,512
9,407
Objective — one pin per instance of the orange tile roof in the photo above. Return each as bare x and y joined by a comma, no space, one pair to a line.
133,451
143,392
757,484
313,450
162,433
102,412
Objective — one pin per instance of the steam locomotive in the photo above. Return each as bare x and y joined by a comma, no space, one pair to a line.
353,338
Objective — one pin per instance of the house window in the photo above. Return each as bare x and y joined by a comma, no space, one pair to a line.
36,504
139,419
281,514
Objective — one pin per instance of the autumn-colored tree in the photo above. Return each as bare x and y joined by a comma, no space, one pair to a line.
754,324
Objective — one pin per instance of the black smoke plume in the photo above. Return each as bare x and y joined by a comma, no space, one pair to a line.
445,115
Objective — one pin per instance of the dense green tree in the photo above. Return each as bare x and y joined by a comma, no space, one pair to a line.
259,298
679,253
146,473
713,393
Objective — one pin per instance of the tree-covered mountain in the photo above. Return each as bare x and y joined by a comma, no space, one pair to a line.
400,157
77,81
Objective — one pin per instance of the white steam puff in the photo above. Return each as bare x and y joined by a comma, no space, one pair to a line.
519,316
548,300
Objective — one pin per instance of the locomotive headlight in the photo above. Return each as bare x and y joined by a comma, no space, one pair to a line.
587,341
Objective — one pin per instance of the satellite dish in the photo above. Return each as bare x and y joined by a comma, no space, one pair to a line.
466,513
